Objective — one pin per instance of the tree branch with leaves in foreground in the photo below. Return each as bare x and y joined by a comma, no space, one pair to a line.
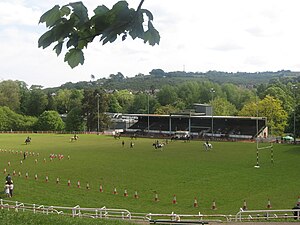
71,26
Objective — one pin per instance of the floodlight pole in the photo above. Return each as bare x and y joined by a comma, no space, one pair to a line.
295,126
212,112
294,87
148,113
98,127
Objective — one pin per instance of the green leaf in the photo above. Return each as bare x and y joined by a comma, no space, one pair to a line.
100,23
155,37
74,56
118,21
120,17
148,13
82,44
46,39
111,37
51,16
73,41
100,10
137,29
80,11
119,6
151,35
99,20
65,11
58,32
62,30
58,48
150,25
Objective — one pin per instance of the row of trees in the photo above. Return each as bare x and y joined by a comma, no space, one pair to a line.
48,120
29,108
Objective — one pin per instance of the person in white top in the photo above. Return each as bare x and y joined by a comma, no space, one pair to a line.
6,190
11,188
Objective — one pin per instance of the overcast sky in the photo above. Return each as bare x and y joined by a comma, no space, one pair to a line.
196,36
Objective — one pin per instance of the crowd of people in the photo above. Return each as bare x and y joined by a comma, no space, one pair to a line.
9,186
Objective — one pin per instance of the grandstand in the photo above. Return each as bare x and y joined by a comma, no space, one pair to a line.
199,123
200,126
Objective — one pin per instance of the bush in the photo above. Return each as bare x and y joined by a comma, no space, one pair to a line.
50,121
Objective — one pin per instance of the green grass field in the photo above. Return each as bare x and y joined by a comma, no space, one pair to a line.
226,174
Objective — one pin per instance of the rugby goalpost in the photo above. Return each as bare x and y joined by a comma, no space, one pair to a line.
257,145
262,148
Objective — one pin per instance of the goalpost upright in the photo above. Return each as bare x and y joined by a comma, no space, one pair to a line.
257,146
261,148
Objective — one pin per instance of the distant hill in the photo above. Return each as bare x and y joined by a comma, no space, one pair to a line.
157,78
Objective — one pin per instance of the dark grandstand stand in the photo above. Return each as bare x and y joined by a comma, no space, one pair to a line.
225,127
140,125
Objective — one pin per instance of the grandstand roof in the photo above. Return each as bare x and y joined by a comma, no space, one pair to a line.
194,115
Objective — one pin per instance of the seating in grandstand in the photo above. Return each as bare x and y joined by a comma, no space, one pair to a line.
223,127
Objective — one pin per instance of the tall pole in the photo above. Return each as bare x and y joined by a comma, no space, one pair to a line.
295,125
98,127
257,151
294,87
212,112
148,113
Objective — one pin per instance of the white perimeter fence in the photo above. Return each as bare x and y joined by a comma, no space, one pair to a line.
123,214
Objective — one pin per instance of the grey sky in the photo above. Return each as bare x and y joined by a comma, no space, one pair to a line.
198,35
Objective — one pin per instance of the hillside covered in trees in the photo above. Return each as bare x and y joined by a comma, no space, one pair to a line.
274,95
157,78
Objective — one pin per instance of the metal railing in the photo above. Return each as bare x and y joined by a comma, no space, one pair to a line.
277,214
123,214
75,211
191,218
